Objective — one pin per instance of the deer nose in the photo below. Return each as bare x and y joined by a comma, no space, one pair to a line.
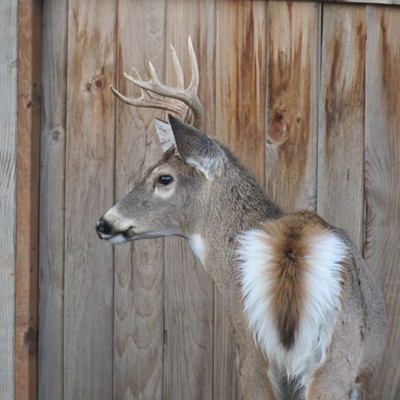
103,228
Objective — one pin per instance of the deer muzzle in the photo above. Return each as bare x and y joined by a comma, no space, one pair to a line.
106,231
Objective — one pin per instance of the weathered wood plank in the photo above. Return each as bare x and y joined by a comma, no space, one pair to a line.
240,122
341,118
8,179
52,181
382,189
88,334
241,81
139,301
27,242
188,357
293,61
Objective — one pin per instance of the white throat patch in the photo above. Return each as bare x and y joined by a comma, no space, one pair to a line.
196,243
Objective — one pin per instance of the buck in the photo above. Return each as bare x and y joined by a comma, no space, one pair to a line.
306,315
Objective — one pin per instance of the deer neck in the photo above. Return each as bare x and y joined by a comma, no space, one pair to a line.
231,209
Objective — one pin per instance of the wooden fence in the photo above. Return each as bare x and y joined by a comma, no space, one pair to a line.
306,93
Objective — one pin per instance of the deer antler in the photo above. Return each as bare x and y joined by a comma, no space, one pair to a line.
154,94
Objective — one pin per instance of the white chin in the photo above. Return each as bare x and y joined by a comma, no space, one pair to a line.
117,239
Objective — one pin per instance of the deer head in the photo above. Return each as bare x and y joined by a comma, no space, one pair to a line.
169,199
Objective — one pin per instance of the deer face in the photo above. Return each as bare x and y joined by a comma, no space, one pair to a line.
171,196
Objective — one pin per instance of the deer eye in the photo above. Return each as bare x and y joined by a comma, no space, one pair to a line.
165,180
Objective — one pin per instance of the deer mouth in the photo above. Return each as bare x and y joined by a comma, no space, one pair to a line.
119,237
106,232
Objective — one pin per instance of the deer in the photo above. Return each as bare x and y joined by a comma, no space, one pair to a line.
306,315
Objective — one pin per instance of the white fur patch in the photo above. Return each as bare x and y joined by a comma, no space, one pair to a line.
196,243
209,167
321,302
165,134
117,239
164,192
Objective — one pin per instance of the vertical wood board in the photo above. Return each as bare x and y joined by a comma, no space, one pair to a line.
341,118
26,267
293,61
52,205
188,296
8,177
88,314
382,177
138,289
240,121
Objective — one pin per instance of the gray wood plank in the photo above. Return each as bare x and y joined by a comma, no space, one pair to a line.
8,177
188,312
51,253
341,118
382,177
88,334
139,267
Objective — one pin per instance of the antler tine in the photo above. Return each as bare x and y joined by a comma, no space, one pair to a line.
155,94
194,83
180,83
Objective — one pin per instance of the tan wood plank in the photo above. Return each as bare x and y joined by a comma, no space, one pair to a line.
382,143
341,118
88,334
241,81
52,181
240,122
27,242
188,362
8,179
291,127
139,272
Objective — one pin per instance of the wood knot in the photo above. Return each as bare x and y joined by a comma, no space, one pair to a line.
30,340
55,134
97,83
277,131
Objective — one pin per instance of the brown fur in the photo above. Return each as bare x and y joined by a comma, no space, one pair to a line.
289,237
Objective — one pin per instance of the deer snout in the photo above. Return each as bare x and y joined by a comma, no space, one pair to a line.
104,229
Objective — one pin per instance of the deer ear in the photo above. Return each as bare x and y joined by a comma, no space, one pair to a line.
197,149
165,134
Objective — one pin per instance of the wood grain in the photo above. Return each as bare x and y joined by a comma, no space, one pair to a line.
8,180
139,272
51,250
241,81
382,189
27,242
240,123
88,333
292,64
341,118
188,292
